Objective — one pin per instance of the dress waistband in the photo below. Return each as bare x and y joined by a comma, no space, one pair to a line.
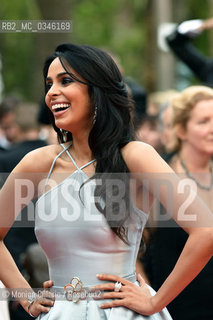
75,291
131,278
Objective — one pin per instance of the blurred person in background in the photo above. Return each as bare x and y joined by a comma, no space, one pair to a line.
156,99
7,133
24,135
8,127
165,125
181,44
192,122
165,129
154,127
147,131
137,92
22,130
3,141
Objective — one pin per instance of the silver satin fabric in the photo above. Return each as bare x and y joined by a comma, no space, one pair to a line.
78,242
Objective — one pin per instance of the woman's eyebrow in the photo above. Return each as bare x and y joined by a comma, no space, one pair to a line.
58,75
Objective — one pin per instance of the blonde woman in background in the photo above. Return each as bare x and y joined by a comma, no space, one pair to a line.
192,120
192,123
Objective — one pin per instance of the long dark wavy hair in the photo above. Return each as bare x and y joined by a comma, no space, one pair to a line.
113,127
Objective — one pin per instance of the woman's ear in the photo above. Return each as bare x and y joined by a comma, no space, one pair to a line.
180,132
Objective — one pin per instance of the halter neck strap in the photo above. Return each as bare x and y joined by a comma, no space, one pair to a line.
54,161
73,161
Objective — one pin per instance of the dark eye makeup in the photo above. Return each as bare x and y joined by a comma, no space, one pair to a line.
66,80
48,85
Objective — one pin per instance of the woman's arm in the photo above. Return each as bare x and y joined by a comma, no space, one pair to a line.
196,219
182,46
187,209
11,202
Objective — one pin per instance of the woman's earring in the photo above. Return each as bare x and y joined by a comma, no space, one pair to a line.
64,135
95,115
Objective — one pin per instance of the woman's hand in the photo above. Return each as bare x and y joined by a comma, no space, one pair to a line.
43,302
47,284
131,296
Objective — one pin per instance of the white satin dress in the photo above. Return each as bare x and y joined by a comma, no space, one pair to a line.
78,242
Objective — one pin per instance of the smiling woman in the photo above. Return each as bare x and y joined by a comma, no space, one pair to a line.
98,190
68,99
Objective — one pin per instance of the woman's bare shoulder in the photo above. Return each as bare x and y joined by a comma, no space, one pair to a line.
132,150
142,157
135,146
38,160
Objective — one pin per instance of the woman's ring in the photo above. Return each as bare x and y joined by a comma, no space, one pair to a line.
118,286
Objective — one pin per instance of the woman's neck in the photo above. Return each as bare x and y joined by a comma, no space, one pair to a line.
195,160
80,149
